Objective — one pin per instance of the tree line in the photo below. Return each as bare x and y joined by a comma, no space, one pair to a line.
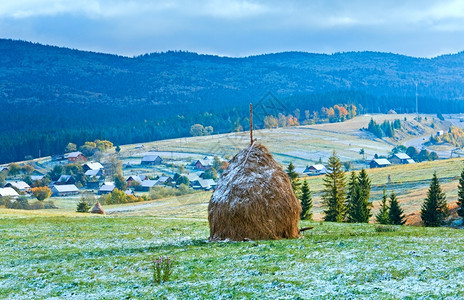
348,200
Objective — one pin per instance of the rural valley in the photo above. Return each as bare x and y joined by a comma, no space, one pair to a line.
239,149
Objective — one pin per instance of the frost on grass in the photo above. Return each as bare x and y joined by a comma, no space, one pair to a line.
60,258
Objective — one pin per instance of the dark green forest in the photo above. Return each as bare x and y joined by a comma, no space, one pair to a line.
50,96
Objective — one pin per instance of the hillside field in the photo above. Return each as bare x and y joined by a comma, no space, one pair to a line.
305,145
61,254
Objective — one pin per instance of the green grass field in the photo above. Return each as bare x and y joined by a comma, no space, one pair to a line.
47,257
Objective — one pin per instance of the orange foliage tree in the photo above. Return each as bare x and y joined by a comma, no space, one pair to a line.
41,193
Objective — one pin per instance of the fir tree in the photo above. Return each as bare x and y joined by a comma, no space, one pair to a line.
383,216
461,195
364,194
395,213
435,208
358,206
352,197
306,202
83,206
293,178
333,196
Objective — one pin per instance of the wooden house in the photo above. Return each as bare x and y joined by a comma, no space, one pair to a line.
151,159
379,163
98,174
92,166
19,185
146,185
106,188
401,159
65,179
64,190
8,192
317,169
75,157
202,164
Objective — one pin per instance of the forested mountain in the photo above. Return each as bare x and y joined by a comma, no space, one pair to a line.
50,96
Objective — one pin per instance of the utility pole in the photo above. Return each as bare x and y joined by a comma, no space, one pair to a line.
251,123
417,105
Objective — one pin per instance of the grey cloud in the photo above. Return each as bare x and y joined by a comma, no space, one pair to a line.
238,27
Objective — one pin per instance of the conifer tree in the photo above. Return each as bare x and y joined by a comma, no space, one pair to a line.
306,202
395,213
358,206
435,208
461,195
352,198
83,206
383,215
334,196
293,178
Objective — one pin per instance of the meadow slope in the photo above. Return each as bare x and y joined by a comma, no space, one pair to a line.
109,258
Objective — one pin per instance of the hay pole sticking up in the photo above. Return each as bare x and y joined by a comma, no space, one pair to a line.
251,123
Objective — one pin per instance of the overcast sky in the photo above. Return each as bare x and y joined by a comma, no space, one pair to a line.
239,28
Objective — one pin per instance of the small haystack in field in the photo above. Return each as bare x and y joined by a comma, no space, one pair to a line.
97,209
253,199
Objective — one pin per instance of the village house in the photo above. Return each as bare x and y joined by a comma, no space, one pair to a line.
75,157
379,163
151,159
92,166
133,180
8,192
129,192
401,159
146,185
37,177
204,184
98,174
106,188
93,184
317,169
64,190
202,164
65,179
19,185
163,180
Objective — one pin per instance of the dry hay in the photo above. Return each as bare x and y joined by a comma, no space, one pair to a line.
253,200
97,209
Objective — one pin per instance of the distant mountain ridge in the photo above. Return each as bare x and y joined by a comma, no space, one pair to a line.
33,72
51,96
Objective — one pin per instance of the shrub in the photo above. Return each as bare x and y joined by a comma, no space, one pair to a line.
49,205
162,269
159,192
385,228
37,205
119,197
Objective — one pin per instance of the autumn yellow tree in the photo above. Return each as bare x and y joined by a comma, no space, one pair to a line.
41,193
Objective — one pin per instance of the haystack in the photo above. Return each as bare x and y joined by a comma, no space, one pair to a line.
97,209
253,199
